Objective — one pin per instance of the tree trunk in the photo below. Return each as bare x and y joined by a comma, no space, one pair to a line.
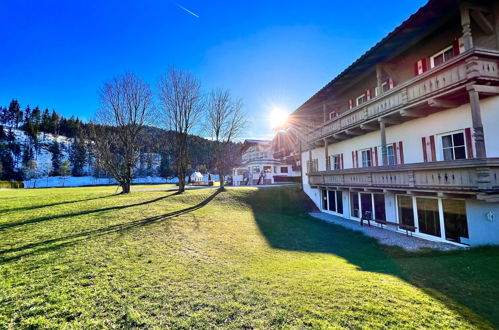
128,180
125,188
222,181
181,180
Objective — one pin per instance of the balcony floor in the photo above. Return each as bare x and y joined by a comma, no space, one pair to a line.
386,236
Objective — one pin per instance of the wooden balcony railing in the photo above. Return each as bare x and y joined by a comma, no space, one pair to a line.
445,79
467,175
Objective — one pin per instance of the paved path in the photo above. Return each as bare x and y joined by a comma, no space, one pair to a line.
386,236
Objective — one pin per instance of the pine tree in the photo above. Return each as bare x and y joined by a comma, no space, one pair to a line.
14,114
54,123
78,156
45,125
56,158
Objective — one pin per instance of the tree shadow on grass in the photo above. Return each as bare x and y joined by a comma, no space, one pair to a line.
446,276
57,243
8,225
34,207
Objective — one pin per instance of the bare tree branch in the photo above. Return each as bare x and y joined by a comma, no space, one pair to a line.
125,107
181,107
225,122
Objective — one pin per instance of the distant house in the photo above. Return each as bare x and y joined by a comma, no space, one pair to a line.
407,136
196,177
259,166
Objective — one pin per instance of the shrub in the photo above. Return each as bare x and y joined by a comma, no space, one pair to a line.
11,184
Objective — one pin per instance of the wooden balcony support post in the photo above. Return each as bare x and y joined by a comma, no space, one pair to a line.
384,153
476,117
379,81
326,155
466,25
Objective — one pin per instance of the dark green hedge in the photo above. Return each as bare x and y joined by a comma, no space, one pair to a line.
11,184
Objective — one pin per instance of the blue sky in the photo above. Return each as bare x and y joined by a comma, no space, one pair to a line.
56,54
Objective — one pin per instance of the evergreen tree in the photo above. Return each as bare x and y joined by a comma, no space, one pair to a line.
14,114
46,120
55,149
78,156
8,169
54,123
3,136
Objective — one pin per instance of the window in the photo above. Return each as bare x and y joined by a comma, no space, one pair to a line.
313,165
333,114
324,199
335,201
405,210
379,207
335,162
284,169
453,146
390,155
366,158
428,216
361,99
256,170
384,88
456,223
354,204
442,56
267,169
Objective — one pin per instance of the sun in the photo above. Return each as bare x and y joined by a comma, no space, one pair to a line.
278,118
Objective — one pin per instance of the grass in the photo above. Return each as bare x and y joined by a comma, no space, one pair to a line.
245,257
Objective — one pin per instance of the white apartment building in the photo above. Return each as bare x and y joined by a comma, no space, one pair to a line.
408,135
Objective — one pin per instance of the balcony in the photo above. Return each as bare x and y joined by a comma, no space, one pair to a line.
460,176
437,89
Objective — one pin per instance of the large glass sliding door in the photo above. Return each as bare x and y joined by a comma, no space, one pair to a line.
332,200
379,207
354,205
428,216
442,218
456,223
405,210
324,199
335,201
366,204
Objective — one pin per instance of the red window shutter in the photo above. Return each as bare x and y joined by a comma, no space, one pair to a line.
394,145
424,64
425,153
455,47
416,69
341,161
469,142
376,156
433,148
350,104
401,152
357,158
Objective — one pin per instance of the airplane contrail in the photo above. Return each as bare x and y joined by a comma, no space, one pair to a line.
188,11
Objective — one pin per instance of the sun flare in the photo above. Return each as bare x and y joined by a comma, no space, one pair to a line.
278,118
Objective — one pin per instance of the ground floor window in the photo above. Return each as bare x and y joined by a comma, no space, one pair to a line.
437,217
335,201
456,223
368,205
428,216
405,210
324,199
354,205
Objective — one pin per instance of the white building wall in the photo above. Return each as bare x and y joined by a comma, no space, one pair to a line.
482,230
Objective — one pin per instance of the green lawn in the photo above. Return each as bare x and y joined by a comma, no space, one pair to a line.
246,257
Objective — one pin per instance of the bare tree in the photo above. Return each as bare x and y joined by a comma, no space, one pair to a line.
225,122
181,105
125,107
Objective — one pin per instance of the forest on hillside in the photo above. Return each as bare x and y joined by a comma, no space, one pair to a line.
36,143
